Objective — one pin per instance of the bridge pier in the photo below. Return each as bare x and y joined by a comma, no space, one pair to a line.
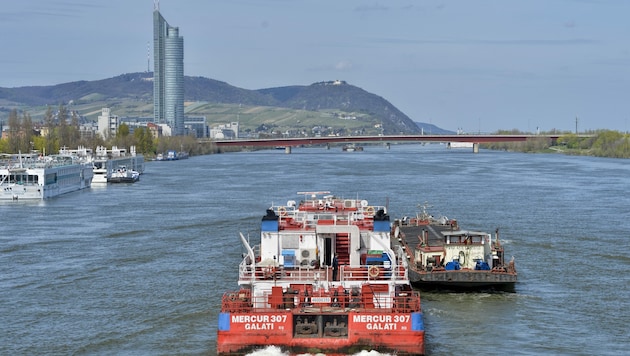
389,145
287,149
475,147
328,146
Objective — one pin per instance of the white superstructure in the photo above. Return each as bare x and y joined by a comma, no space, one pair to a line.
38,177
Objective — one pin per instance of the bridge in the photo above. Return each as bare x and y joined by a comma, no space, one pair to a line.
287,143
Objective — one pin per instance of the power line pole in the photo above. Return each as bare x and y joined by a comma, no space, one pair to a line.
576,125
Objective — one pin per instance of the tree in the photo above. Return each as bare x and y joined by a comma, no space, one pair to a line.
4,145
64,134
50,144
123,131
39,143
14,129
20,136
609,144
143,140
74,134
122,136
26,133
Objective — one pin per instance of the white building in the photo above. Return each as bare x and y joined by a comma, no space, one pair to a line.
108,123
224,131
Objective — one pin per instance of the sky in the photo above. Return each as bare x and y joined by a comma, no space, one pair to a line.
477,66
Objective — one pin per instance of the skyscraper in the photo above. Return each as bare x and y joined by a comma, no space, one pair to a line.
168,74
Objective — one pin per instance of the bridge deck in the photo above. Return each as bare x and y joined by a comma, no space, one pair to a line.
387,139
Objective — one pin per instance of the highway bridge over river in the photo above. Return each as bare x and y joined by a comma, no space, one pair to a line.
287,143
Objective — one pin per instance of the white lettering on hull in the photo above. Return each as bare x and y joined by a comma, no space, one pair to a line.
259,326
383,322
381,326
372,318
260,322
250,318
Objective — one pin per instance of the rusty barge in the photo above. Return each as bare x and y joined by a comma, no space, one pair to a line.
443,256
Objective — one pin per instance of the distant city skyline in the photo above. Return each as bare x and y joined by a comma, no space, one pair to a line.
478,66
168,74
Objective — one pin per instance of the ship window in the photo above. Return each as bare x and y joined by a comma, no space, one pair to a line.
51,178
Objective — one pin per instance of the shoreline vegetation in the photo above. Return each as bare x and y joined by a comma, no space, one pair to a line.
601,143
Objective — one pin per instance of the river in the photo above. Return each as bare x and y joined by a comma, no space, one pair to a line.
139,269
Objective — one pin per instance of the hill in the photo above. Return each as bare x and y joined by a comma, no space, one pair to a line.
336,105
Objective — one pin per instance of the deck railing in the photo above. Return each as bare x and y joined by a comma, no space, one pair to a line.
323,274
325,302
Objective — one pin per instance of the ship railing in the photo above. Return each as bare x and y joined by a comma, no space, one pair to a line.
310,218
368,273
331,301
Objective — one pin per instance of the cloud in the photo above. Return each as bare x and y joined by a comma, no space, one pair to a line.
25,11
371,8
340,66
343,65
569,24
509,42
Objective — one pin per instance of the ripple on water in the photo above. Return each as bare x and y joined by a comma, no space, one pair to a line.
91,273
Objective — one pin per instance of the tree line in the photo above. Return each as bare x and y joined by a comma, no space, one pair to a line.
598,143
61,128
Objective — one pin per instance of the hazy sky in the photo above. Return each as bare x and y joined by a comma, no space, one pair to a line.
479,65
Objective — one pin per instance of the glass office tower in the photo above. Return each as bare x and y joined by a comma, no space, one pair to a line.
168,74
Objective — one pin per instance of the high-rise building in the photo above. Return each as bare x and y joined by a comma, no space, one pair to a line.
168,74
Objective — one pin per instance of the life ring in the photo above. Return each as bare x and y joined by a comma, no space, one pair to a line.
282,211
369,210
374,271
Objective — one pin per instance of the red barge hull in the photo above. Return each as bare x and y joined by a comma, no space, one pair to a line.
323,278
401,333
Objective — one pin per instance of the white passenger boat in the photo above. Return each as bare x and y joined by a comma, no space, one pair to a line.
101,173
35,177
124,175
107,163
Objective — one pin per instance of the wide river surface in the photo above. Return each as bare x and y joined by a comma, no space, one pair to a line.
139,269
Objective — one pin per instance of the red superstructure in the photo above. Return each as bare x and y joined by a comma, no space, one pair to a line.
323,279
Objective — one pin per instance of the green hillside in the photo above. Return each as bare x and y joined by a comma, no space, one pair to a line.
335,107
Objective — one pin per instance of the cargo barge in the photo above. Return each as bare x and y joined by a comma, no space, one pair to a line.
443,256
322,279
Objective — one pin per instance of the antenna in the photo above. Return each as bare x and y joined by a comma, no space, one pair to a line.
148,58
156,5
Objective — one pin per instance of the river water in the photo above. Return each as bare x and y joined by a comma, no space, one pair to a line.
139,269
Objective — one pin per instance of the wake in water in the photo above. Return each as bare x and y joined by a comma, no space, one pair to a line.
276,351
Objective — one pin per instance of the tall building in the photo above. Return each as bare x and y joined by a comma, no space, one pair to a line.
168,74
107,123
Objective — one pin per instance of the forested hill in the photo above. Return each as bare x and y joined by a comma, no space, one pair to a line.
333,95
341,96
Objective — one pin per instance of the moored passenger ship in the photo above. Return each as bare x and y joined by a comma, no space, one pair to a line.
323,279
34,177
